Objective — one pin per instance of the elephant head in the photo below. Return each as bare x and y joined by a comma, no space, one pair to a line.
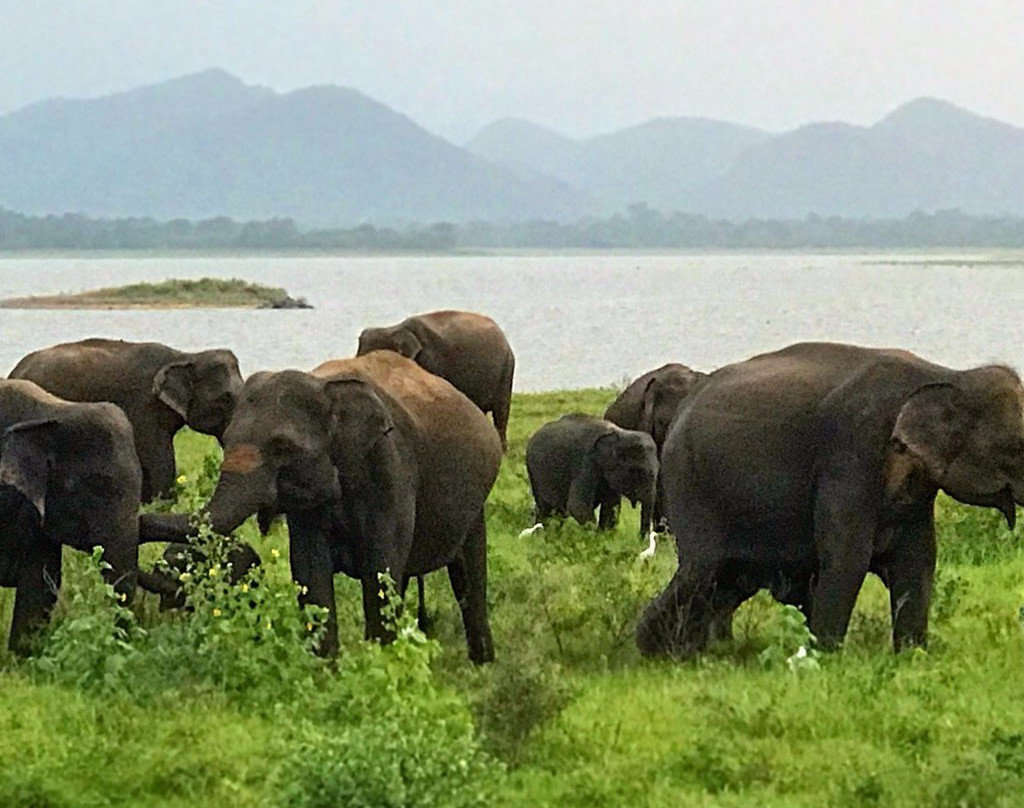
627,461
290,438
650,402
202,388
660,401
398,338
965,437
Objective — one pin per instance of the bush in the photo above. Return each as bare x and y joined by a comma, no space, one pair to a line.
386,734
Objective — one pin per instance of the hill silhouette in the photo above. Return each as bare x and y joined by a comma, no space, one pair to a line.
209,145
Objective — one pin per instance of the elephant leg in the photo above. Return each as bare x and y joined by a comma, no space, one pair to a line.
844,531
679,622
312,569
156,456
468,575
38,583
909,573
423,618
608,514
122,573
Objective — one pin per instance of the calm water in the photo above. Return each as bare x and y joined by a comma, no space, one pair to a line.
573,321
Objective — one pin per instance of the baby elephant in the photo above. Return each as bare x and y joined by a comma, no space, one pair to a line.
580,462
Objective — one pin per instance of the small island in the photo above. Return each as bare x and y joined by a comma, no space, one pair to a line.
169,294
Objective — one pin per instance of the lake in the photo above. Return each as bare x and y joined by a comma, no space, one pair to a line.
581,320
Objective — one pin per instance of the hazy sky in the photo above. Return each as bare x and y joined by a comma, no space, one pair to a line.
579,66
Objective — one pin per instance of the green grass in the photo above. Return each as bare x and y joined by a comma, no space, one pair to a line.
193,710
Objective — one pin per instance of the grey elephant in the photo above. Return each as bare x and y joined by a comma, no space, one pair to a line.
159,388
467,349
649,403
68,476
580,462
378,466
801,471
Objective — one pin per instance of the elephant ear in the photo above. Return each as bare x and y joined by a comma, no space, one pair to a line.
407,343
358,416
173,385
27,458
932,428
648,405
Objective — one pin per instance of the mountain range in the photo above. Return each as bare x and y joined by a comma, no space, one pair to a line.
208,145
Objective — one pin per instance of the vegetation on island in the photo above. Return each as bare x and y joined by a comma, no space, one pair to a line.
201,293
225,705
638,227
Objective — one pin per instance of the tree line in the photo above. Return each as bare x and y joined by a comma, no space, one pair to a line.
638,227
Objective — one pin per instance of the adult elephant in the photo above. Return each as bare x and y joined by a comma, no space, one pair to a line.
467,349
68,475
803,470
378,466
649,403
580,463
159,388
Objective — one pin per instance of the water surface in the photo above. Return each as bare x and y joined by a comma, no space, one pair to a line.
573,320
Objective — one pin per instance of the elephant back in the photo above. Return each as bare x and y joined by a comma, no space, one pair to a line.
439,412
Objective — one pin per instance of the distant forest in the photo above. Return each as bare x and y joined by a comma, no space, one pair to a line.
639,227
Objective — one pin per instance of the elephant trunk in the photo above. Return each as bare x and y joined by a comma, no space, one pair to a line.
239,495
647,515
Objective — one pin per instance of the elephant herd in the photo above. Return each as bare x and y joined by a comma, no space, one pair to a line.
797,471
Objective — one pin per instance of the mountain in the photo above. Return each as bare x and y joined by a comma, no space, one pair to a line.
208,145
927,155
661,162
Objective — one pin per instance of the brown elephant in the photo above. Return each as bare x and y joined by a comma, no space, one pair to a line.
378,466
649,403
159,388
467,349
802,470
68,476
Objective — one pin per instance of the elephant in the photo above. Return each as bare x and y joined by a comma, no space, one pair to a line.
159,388
378,466
649,404
802,470
68,475
467,349
580,462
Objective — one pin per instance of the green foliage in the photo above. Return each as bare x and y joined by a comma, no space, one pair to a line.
92,641
388,734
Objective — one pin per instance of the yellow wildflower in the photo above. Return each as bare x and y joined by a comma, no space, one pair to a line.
216,612
309,626
214,570
182,479
275,552
245,587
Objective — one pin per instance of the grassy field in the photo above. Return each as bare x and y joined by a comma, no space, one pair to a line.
225,706
203,292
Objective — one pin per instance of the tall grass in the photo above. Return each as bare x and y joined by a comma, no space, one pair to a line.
202,709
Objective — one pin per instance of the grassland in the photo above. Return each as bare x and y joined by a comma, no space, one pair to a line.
200,293
221,707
